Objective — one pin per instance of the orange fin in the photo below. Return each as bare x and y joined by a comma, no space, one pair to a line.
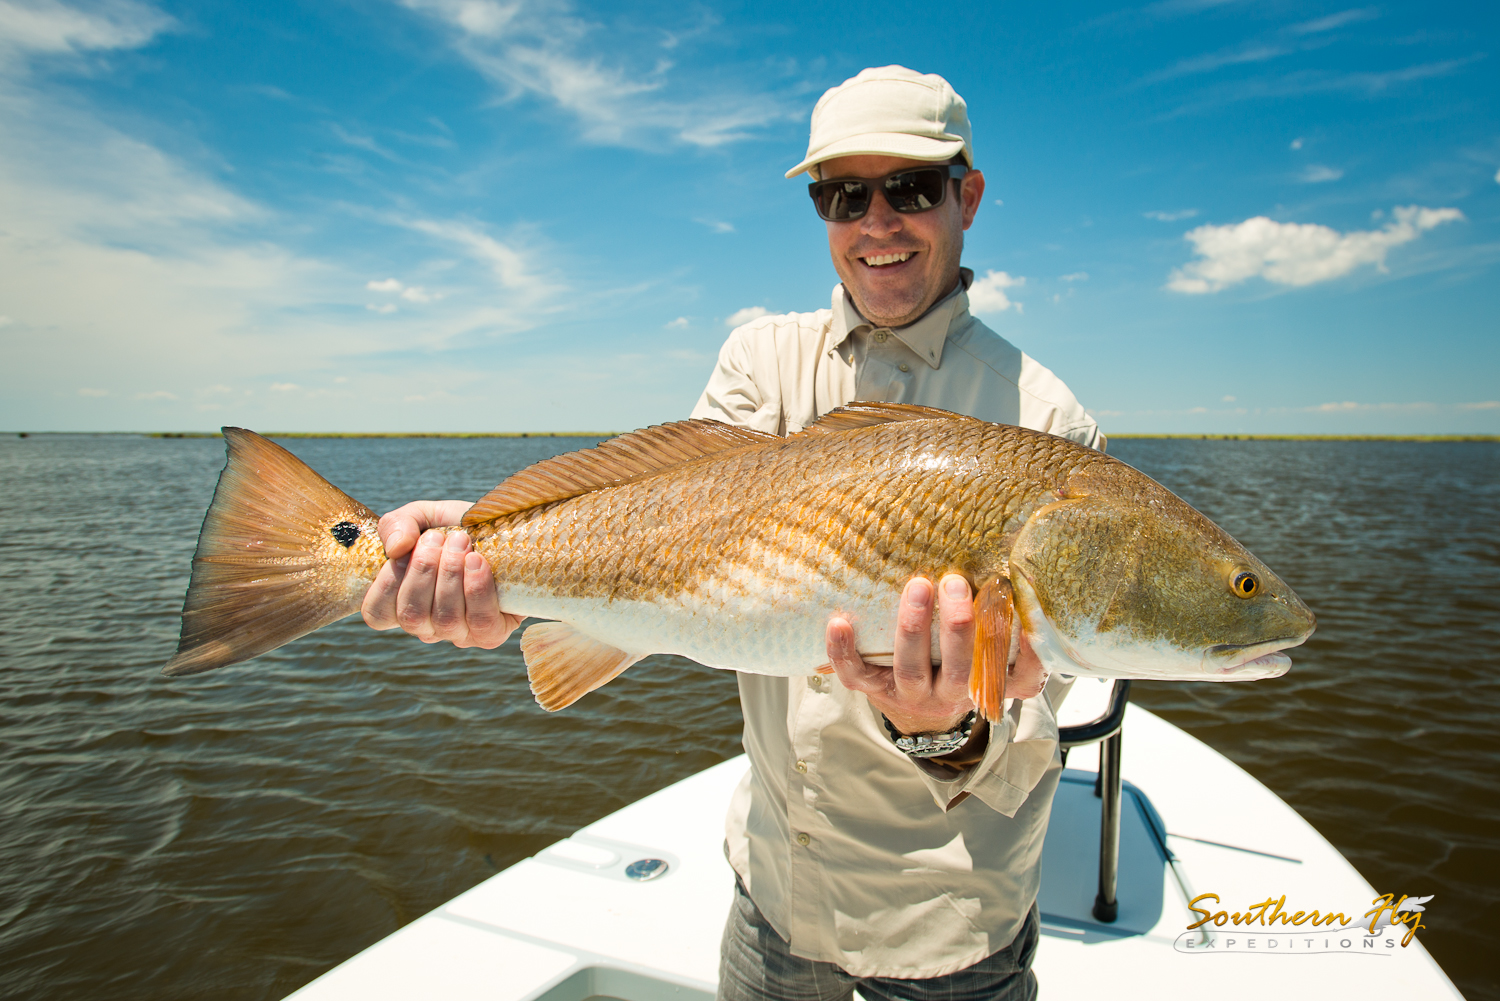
564,665
994,618
611,463
863,415
282,552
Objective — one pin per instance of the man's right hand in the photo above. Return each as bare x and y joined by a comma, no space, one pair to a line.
435,588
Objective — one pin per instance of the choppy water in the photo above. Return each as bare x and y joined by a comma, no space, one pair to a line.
234,835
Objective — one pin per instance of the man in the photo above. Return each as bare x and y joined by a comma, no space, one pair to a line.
858,864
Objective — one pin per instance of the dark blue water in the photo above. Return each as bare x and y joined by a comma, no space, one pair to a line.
235,834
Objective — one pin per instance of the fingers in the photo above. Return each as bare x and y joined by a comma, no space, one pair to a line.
379,606
853,673
912,664
414,600
449,621
955,639
1026,677
488,627
401,528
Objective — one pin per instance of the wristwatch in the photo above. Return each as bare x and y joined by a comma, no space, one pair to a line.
931,745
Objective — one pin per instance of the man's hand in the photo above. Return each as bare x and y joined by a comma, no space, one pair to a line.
433,588
915,695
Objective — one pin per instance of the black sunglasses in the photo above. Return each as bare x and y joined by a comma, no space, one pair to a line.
844,199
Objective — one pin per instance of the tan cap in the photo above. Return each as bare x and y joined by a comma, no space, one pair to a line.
889,111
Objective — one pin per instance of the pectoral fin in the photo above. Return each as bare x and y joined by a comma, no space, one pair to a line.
564,665
994,619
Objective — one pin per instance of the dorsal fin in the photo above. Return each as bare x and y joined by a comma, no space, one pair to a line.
609,464
863,415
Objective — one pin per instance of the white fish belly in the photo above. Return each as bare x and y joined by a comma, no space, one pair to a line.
726,624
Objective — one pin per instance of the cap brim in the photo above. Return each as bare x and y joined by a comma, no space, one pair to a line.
901,144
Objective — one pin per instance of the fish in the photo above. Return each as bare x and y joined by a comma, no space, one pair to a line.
734,547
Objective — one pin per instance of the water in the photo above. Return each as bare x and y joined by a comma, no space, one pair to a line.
233,835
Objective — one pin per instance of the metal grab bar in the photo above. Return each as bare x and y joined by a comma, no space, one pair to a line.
1108,787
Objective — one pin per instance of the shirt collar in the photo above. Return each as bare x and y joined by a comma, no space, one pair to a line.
925,336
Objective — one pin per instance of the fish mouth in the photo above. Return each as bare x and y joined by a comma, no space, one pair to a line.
1271,665
1253,661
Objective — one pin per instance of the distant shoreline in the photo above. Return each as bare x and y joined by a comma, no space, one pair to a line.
611,434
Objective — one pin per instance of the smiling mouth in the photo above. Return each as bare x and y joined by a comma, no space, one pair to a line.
886,260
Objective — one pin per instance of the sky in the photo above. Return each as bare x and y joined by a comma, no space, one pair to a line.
466,215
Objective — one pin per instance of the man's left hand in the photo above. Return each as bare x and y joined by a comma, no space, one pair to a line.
913,693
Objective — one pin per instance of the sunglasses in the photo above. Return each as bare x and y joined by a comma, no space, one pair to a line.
844,199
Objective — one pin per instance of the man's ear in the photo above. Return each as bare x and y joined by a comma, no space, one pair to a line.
971,190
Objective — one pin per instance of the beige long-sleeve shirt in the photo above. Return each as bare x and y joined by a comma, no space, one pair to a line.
856,854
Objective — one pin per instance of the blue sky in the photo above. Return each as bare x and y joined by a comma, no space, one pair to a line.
469,215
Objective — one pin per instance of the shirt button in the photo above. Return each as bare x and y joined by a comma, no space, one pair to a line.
815,681
802,766
881,335
904,367
804,840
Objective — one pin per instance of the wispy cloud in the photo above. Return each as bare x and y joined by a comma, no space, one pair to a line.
1253,52
1171,216
546,51
1077,276
1334,21
718,226
51,28
1317,173
1307,82
681,323
987,294
1296,254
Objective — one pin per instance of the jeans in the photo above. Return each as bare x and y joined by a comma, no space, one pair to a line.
756,964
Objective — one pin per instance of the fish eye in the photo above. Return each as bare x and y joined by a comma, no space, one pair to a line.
1245,584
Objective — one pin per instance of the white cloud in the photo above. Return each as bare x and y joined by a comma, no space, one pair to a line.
96,393
1333,21
1171,216
1295,254
1227,399
284,387
160,394
987,294
1317,174
678,324
1077,276
1481,405
743,316
418,294
716,225
50,28
507,264
1497,177
383,308
545,51
388,285
1297,143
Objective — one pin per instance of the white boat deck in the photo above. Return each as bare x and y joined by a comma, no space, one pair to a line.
568,925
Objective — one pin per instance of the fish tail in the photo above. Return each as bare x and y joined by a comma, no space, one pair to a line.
282,552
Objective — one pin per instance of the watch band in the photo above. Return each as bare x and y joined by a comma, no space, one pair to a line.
931,745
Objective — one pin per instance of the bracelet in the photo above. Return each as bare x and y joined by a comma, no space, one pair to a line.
930,745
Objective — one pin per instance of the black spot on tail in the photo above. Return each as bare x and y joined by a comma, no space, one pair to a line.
346,532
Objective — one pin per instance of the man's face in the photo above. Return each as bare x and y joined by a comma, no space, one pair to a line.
896,266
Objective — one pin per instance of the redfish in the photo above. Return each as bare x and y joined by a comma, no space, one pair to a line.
734,547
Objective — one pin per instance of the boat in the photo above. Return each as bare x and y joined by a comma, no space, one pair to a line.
632,906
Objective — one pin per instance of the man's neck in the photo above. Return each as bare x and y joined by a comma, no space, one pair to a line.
958,282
